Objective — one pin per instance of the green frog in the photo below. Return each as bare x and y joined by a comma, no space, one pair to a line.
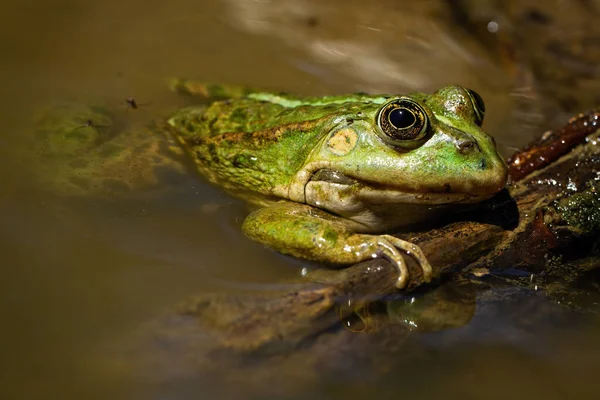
329,176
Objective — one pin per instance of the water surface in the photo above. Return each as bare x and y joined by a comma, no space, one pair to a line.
81,274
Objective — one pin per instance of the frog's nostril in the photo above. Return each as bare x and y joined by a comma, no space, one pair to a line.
465,146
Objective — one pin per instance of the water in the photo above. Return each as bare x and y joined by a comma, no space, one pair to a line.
81,274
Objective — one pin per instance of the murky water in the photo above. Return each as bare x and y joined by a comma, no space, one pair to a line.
80,274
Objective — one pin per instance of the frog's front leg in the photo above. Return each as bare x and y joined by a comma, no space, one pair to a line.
307,232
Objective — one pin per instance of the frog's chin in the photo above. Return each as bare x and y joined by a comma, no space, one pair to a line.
341,196
398,196
368,209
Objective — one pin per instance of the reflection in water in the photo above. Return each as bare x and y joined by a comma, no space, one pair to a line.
82,275
508,336
450,305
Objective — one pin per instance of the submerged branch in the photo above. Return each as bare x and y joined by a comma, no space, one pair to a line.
551,211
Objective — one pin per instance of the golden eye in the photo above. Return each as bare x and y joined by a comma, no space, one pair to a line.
478,106
403,122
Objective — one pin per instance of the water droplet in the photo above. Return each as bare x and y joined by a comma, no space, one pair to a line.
493,27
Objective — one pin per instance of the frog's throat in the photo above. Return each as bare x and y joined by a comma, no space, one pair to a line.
300,191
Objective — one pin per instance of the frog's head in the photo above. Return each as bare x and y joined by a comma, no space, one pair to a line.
416,148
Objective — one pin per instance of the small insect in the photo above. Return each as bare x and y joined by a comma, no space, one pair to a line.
131,101
134,104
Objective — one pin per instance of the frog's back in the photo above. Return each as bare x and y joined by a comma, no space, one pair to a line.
255,145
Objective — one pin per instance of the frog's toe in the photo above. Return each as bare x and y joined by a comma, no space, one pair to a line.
414,251
403,272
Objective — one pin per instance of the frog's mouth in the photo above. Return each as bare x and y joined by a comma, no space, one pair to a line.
328,185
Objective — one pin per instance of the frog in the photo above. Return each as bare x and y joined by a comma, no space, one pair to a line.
328,178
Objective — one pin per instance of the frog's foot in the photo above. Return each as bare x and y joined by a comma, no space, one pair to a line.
79,150
397,259
70,129
303,231
364,246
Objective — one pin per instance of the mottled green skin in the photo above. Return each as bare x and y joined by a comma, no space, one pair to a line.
233,143
258,143
323,170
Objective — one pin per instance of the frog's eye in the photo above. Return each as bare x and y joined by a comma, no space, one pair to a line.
403,121
478,106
